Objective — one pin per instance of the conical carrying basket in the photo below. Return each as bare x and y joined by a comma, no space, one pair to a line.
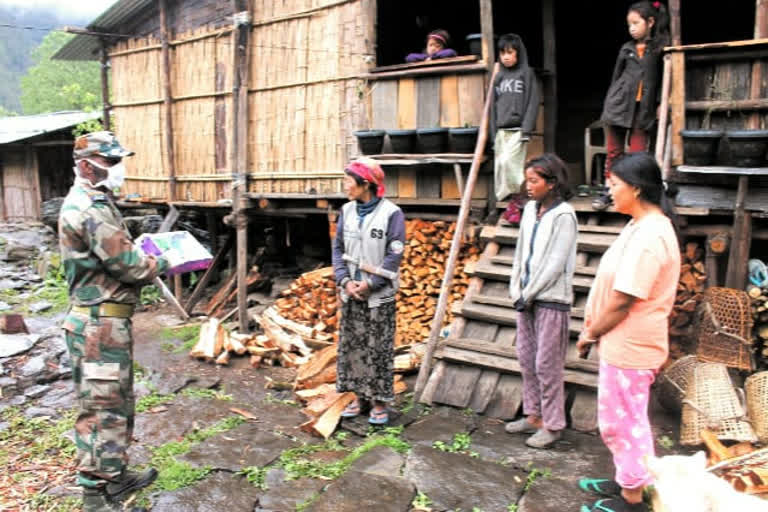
724,328
672,384
756,388
713,403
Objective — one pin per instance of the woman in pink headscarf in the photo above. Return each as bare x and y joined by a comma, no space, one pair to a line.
367,251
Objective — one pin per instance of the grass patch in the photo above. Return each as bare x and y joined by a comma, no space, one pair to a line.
269,398
256,475
188,335
421,502
47,503
534,475
207,393
460,444
151,400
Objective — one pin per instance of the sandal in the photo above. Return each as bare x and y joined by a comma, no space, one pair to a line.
379,416
615,505
600,486
352,410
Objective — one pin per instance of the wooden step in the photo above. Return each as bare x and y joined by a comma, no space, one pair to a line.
588,242
509,303
504,315
508,365
487,270
510,260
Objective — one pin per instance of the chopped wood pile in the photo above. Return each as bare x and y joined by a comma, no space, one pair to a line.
227,293
759,297
690,292
741,464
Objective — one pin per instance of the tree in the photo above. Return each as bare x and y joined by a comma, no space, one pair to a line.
56,85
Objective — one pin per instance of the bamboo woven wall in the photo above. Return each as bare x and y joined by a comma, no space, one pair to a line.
304,102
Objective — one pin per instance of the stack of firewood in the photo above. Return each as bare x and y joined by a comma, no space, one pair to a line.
690,292
759,298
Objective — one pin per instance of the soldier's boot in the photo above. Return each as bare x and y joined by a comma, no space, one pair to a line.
96,500
128,482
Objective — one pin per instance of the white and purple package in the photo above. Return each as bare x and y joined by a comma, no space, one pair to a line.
180,248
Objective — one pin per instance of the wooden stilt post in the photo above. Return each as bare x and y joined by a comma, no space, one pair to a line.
240,42
458,235
550,78
168,107
677,91
661,132
106,122
486,27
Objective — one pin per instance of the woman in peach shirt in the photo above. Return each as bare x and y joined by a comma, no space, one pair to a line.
626,316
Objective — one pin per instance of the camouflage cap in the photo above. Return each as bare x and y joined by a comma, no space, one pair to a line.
99,143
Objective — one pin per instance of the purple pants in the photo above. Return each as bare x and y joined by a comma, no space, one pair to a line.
622,413
542,341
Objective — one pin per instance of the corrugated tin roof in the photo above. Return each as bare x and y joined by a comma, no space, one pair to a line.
84,47
18,128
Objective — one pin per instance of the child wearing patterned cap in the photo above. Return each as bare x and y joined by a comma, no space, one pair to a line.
367,252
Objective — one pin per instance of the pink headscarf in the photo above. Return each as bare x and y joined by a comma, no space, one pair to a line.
369,170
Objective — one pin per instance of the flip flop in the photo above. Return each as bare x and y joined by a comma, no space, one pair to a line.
600,486
352,410
614,505
379,417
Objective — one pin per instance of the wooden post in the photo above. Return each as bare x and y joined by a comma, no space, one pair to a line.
661,140
105,86
550,77
715,247
736,274
486,27
168,104
458,235
678,85
240,42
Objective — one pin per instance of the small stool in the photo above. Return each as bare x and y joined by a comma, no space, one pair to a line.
595,151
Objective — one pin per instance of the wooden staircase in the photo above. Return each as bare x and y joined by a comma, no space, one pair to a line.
477,366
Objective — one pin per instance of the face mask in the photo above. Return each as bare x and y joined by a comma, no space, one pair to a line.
115,175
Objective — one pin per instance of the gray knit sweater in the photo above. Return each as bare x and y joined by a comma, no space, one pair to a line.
545,256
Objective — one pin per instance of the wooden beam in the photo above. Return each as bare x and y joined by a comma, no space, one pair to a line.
486,27
105,86
549,79
240,65
677,103
674,22
748,104
742,227
745,43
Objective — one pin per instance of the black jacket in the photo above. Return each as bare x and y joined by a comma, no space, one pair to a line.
620,100
515,96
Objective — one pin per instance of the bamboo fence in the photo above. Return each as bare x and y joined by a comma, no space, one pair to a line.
305,100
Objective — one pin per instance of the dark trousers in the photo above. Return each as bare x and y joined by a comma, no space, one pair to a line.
614,143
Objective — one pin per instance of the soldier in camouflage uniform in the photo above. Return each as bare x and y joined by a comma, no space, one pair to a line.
105,272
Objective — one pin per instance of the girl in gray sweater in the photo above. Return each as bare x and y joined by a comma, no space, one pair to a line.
541,286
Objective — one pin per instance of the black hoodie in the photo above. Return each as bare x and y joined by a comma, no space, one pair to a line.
515,95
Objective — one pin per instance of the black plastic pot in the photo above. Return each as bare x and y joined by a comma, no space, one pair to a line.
433,140
370,141
700,146
403,141
463,140
475,43
748,147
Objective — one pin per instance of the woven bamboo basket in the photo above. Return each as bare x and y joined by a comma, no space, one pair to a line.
724,328
756,388
713,403
673,383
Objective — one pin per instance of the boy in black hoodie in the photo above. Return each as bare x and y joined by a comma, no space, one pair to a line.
513,116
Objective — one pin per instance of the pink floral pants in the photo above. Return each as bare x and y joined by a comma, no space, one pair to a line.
622,413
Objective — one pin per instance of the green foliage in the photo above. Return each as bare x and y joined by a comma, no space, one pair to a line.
666,442
150,294
207,393
175,475
48,503
534,475
512,507
256,476
421,501
408,403
91,125
151,400
460,444
56,85
188,335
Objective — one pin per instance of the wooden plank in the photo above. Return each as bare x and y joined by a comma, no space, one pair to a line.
584,410
507,398
428,102
406,183
449,189
508,365
677,105
510,351
384,96
422,64
457,385
718,198
736,274
433,383
471,90
502,315
589,242
406,104
484,390
391,184
428,182
488,270
479,330
449,101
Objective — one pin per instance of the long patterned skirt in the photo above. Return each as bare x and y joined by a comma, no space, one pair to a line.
366,350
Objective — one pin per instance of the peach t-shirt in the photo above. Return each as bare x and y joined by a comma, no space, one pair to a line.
644,262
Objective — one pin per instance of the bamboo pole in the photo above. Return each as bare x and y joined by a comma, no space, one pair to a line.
105,86
666,84
458,235
240,40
